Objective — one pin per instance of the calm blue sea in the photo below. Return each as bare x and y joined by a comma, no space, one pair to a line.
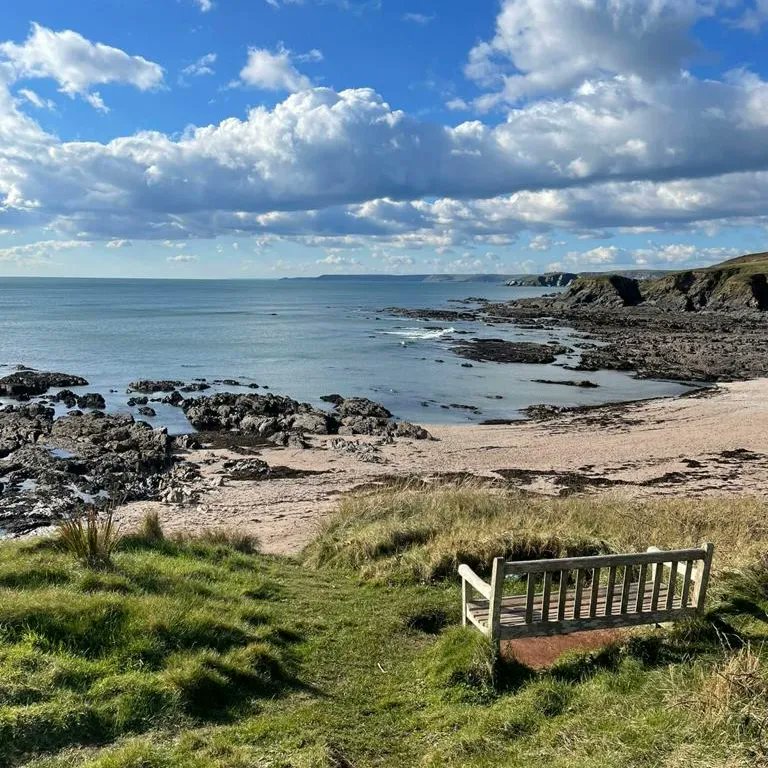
303,338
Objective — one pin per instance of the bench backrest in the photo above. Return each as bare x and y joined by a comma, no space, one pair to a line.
581,592
690,564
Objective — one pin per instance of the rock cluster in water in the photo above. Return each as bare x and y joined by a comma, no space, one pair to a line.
28,383
502,351
281,419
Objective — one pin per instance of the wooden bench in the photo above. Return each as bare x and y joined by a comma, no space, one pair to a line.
580,593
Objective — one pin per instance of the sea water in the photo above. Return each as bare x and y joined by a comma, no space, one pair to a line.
304,338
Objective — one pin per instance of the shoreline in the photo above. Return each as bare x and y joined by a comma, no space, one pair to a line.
699,445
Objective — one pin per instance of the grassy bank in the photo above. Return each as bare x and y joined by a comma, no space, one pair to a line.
411,535
203,653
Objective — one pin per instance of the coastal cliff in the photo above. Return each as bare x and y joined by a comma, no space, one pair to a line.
736,285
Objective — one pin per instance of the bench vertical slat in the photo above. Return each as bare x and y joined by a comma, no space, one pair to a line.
530,596
640,600
625,588
545,596
494,604
594,593
577,594
562,595
702,577
658,571
686,584
672,585
609,590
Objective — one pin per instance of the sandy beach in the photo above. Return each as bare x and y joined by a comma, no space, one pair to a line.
713,442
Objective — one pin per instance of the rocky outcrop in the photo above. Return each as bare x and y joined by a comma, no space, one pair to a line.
91,400
54,467
719,290
548,280
150,386
738,285
23,425
609,291
275,417
30,383
502,351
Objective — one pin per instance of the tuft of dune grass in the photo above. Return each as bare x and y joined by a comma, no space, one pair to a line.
407,535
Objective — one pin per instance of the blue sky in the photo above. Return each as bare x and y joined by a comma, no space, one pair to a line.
262,138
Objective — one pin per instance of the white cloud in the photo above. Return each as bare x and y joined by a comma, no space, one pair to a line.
419,18
619,151
35,99
77,64
347,5
119,244
549,45
273,71
654,256
35,253
754,17
313,56
552,157
337,260
540,243
182,258
204,5
203,66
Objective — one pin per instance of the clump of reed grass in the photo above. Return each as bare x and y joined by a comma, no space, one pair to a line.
151,529
238,541
733,698
412,534
90,537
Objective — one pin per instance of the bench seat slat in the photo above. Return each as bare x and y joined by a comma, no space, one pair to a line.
513,607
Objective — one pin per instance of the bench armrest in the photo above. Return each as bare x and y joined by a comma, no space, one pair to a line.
468,575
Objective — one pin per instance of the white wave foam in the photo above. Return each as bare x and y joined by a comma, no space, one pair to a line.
420,334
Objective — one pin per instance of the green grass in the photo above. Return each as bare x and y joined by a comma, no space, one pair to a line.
196,653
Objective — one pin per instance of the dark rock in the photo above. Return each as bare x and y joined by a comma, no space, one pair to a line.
187,442
361,406
413,431
443,315
56,466
246,469
284,421
150,386
133,401
91,400
336,400
66,396
195,386
501,351
462,407
22,425
175,398
583,384
146,410
28,383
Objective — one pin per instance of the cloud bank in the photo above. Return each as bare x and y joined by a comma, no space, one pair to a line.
608,132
